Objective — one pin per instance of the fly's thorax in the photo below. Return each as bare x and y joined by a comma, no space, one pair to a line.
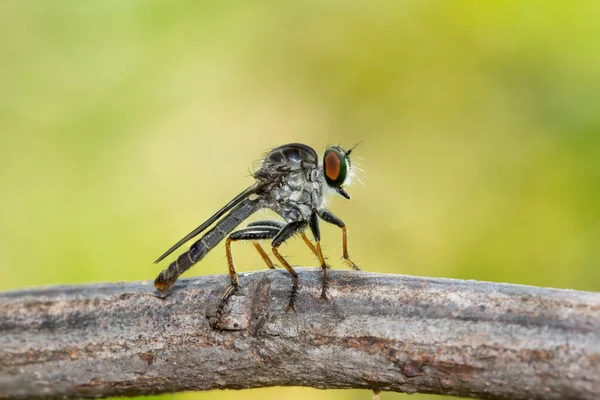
289,158
280,193
295,189
290,211
296,196
295,155
296,180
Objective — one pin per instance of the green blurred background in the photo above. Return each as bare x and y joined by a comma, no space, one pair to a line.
124,124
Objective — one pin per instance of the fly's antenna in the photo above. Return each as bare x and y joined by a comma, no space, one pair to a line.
352,148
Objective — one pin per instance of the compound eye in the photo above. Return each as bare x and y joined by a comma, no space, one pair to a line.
334,164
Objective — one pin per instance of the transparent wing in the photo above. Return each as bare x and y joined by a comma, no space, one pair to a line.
235,201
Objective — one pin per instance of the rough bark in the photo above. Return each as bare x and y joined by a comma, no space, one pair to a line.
383,332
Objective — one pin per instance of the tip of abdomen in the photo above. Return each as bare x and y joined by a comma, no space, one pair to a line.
163,282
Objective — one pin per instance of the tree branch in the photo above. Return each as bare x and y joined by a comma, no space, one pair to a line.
383,332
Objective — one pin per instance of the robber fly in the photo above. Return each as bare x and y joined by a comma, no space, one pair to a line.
292,184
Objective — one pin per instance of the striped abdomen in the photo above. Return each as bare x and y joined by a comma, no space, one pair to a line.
199,249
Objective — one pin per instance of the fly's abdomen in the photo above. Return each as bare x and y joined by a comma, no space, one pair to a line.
184,262
200,248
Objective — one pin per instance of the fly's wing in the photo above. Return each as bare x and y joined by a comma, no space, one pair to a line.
236,200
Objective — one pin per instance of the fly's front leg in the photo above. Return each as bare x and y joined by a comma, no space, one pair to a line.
254,233
314,227
328,216
288,231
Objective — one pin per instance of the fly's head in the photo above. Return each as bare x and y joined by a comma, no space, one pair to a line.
337,169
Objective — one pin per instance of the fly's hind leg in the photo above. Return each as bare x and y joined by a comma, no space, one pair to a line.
253,234
328,216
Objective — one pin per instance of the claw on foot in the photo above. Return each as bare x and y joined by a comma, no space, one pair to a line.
350,263
291,307
324,288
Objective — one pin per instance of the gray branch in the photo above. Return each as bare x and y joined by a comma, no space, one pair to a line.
380,332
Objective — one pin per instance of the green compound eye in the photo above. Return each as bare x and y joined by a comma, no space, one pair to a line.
335,167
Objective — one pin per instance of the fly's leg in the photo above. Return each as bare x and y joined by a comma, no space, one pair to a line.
288,231
310,245
314,227
280,225
264,255
254,233
292,303
268,224
316,250
348,261
235,282
328,216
